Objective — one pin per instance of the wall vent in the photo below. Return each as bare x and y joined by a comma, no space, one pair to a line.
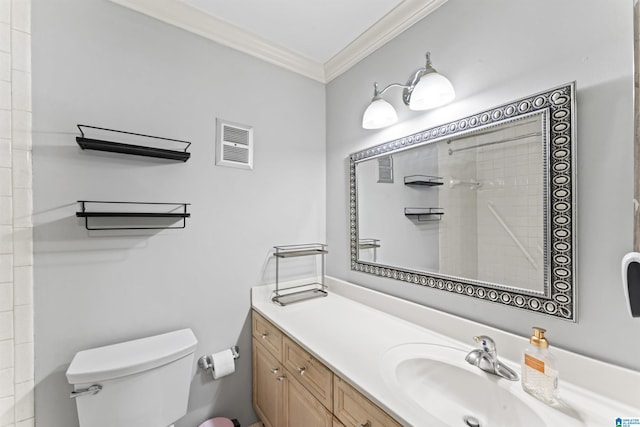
234,145
385,169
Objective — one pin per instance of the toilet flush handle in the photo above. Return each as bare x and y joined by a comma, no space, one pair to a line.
94,389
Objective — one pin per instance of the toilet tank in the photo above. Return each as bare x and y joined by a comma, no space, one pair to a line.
144,382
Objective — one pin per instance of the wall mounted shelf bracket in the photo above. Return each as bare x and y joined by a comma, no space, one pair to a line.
160,215
424,214
144,147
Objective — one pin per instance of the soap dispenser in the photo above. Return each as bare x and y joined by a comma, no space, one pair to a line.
539,370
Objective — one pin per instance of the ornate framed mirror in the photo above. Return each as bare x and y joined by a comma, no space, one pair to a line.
483,206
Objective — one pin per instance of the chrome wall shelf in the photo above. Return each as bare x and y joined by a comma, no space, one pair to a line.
167,213
424,214
291,294
146,146
425,180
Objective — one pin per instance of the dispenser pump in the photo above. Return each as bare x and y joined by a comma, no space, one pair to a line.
538,339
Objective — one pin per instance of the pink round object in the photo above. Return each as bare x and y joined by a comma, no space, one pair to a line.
217,422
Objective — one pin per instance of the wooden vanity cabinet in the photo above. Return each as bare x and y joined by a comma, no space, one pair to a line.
301,408
353,409
291,388
267,334
268,381
279,398
316,377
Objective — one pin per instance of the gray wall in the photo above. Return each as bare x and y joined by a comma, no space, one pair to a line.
409,243
100,64
495,51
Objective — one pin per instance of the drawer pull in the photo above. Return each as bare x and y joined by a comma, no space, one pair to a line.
367,424
275,370
264,336
281,377
302,370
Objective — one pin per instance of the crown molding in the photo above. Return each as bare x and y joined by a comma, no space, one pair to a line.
386,29
195,21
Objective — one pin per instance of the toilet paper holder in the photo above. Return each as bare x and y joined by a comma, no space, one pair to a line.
206,363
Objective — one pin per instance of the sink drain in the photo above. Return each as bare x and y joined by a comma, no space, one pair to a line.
471,421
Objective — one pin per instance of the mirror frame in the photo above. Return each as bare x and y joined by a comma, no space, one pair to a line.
560,213
636,126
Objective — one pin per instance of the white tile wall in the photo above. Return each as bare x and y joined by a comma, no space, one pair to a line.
21,90
6,297
21,130
5,124
5,37
510,177
16,209
6,354
6,383
5,153
6,239
5,66
6,210
5,11
5,95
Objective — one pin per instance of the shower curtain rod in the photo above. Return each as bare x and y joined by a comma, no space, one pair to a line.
515,138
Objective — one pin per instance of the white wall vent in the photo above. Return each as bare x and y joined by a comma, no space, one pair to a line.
385,169
234,145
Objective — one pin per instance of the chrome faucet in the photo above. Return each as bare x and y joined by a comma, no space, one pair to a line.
486,358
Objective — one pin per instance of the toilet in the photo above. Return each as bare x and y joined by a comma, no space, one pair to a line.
139,383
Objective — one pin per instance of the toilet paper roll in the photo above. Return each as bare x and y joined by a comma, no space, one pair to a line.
223,363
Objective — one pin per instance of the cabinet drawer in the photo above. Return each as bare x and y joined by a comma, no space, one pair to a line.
355,410
267,334
311,373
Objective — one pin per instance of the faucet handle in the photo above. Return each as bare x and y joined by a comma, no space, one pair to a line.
486,343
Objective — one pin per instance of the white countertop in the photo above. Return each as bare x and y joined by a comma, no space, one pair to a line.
351,337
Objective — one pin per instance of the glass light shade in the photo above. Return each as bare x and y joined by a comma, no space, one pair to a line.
433,90
379,114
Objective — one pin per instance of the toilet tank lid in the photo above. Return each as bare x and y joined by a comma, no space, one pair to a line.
130,357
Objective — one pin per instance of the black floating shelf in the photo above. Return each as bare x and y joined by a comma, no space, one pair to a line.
426,180
172,212
133,149
424,214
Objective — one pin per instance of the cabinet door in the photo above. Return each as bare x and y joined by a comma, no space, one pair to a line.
355,410
311,373
301,408
268,387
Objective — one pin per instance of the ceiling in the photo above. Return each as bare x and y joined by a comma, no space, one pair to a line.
317,30
318,39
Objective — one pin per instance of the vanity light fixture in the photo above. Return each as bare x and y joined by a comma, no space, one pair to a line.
425,89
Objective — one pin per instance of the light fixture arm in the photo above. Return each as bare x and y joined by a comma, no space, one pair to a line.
415,78
425,89
380,92
411,82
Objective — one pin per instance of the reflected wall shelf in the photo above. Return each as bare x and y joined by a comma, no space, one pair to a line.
146,147
368,243
159,215
424,214
291,294
423,180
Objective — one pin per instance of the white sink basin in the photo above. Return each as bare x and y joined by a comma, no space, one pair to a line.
447,391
